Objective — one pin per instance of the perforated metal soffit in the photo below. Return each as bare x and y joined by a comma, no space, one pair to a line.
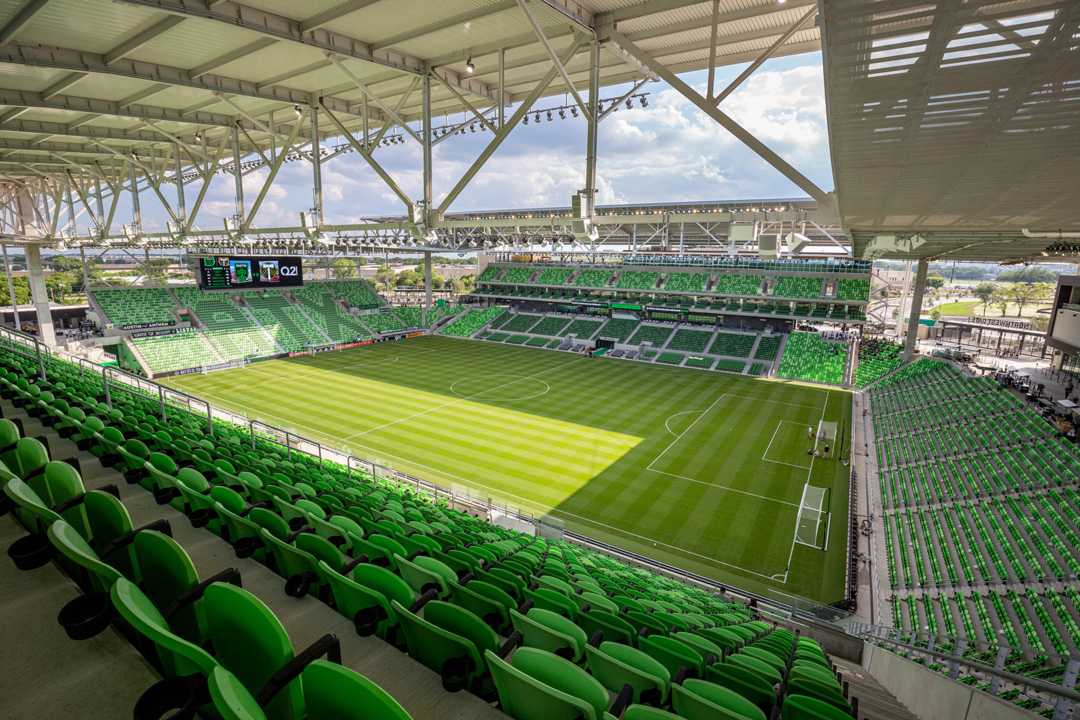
958,120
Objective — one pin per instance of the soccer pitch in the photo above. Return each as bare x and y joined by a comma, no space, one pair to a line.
707,471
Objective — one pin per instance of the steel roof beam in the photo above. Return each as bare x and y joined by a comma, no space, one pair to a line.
438,25
37,127
240,52
140,39
22,18
77,60
722,18
236,14
94,107
747,138
335,13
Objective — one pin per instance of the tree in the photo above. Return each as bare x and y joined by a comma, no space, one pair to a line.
155,269
985,292
343,269
1029,274
1000,300
935,281
58,285
1027,293
385,276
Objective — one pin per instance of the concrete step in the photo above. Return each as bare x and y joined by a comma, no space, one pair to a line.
875,702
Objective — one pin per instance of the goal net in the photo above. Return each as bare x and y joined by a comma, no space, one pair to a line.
812,526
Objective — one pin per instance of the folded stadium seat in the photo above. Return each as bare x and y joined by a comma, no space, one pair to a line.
447,639
702,700
762,669
485,600
364,594
617,665
551,631
548,599
802,707
828,692
538,685
426,574
331,692
609,625
250,642
297,557
770,658
159,564
745,682
710,651
680,659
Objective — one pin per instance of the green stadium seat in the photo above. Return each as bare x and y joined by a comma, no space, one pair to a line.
702,700
537,685
331,692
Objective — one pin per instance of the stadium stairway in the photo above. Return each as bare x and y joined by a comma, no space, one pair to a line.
875,702
107,670
315,327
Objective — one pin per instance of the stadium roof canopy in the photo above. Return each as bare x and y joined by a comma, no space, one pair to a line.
98,94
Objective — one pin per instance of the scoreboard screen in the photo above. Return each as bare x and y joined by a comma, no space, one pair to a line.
235,272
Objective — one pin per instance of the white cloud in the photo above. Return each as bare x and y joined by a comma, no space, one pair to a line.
668,151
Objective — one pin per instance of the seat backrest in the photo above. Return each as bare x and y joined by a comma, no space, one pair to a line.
178,656
165,573
701,698
524,697
333,691
384,582
30,456
251,643
72,546
62,482
24,496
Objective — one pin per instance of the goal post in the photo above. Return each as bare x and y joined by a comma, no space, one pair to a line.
812,524
825,439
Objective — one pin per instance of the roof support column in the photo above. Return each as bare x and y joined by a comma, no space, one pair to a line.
85,271
425,94
238,176
316,168
136,209
39,294
427,288
593,118
916,308
11,289
181,202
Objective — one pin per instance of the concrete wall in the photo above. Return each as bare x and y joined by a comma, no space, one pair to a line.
834,642
931,695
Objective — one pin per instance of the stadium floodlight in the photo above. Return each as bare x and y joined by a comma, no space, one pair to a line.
562,113
549,118
296,109
629,104
469,67
573,111
526,120
536,118
644,101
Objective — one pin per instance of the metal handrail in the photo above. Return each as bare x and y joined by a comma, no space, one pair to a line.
1033,683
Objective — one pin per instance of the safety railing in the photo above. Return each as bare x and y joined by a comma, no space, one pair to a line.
954,660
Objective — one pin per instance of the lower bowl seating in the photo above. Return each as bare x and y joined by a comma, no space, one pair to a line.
545,628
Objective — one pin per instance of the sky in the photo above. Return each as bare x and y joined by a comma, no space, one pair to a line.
667,152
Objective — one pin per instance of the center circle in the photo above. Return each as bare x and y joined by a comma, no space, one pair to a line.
500,387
